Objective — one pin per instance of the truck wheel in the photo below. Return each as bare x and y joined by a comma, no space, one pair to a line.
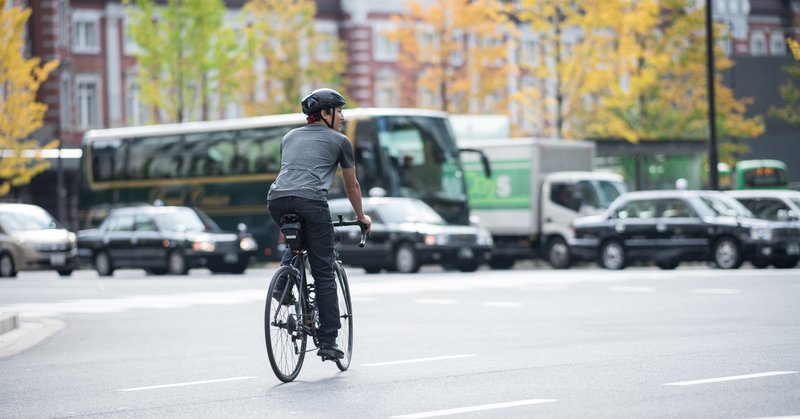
405,259
612,255
558,253
726,254
501,262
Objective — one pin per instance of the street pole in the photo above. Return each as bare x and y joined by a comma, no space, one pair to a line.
713,159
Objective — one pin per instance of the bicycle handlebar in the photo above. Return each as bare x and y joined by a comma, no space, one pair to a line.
343,223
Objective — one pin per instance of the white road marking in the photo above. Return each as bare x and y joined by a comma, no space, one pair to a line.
721,291
435,301
411,361
632,289
508,304
192,383
476,408
732,378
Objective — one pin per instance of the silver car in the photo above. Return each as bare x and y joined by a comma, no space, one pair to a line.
31,239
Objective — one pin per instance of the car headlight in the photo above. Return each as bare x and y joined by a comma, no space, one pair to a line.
248,243
760,233
485,238
436,239
203,246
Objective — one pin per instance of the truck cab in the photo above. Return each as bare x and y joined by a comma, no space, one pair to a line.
566,196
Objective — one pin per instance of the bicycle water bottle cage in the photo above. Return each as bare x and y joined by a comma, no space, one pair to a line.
290,227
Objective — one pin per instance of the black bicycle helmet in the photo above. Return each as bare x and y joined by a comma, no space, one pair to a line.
322,99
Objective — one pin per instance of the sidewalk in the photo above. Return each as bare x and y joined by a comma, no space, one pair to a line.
17,336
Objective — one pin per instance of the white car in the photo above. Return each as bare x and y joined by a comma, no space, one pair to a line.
768,204
31,239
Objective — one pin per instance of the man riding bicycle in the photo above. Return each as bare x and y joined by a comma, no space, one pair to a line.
310,156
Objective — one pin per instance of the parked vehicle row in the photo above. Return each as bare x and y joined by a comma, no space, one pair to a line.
670,227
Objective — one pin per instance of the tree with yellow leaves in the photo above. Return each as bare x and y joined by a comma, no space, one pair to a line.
457,51
280,35
652,83
20,113
790,92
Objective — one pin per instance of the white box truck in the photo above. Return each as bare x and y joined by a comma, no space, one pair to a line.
536,189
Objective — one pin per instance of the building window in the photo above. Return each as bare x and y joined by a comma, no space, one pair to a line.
129,45
385,48
135,111
85,32
777,45
87,101
758,43
387,92
530,52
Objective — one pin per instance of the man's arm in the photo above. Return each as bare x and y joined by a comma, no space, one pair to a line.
353,190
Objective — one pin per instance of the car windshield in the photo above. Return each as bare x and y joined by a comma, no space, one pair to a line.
796,201
181,219
408,212
35,219
726,206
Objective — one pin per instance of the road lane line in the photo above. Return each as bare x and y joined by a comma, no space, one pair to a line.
721,291
471,409
731,378
435,301
509,304
191,383
411,361
631,289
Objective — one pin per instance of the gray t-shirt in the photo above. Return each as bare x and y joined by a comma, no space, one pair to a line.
310,156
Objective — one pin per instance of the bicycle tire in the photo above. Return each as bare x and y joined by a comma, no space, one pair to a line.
345,337
283,330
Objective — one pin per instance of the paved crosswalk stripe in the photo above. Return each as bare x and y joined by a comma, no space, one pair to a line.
191,383
732,378
411,361
475,408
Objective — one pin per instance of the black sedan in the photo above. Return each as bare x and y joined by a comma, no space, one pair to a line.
407,233
669,227
164,240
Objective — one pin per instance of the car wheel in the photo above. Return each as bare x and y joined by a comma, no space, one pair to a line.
405,259
156,271
65,272
787,263
558,253
612,255
176,264
668,264
470,266
7,268
760,263
372,269
102,263
726,253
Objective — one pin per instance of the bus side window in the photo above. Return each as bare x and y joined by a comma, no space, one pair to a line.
267,155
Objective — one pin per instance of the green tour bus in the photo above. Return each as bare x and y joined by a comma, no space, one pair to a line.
759,174
225,167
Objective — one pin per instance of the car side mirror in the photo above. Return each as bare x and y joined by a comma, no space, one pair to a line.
242,227
787,215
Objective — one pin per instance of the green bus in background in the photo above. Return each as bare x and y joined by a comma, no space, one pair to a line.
756,174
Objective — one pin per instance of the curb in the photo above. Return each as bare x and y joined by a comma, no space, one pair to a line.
8,322
27,334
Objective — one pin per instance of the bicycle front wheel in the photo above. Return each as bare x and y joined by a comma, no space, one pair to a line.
283,324
345,338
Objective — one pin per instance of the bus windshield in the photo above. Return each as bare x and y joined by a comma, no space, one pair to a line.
761,174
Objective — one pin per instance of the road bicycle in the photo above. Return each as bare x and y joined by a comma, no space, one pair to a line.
293,316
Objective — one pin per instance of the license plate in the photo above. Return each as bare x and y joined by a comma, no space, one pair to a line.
465,253
793,249
231,258
58,259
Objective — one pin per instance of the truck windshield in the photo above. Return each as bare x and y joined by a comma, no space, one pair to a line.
600,193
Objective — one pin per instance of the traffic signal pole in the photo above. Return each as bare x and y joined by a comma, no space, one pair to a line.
713,159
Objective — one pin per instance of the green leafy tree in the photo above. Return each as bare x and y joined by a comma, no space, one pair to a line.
457,50
790,91
185,55
281,35
20,113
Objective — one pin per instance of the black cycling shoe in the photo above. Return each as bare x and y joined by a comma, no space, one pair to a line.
277,293
330,351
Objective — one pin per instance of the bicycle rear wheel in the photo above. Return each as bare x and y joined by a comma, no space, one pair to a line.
283,327
345,338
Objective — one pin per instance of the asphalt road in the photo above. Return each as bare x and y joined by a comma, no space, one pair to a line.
640,343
